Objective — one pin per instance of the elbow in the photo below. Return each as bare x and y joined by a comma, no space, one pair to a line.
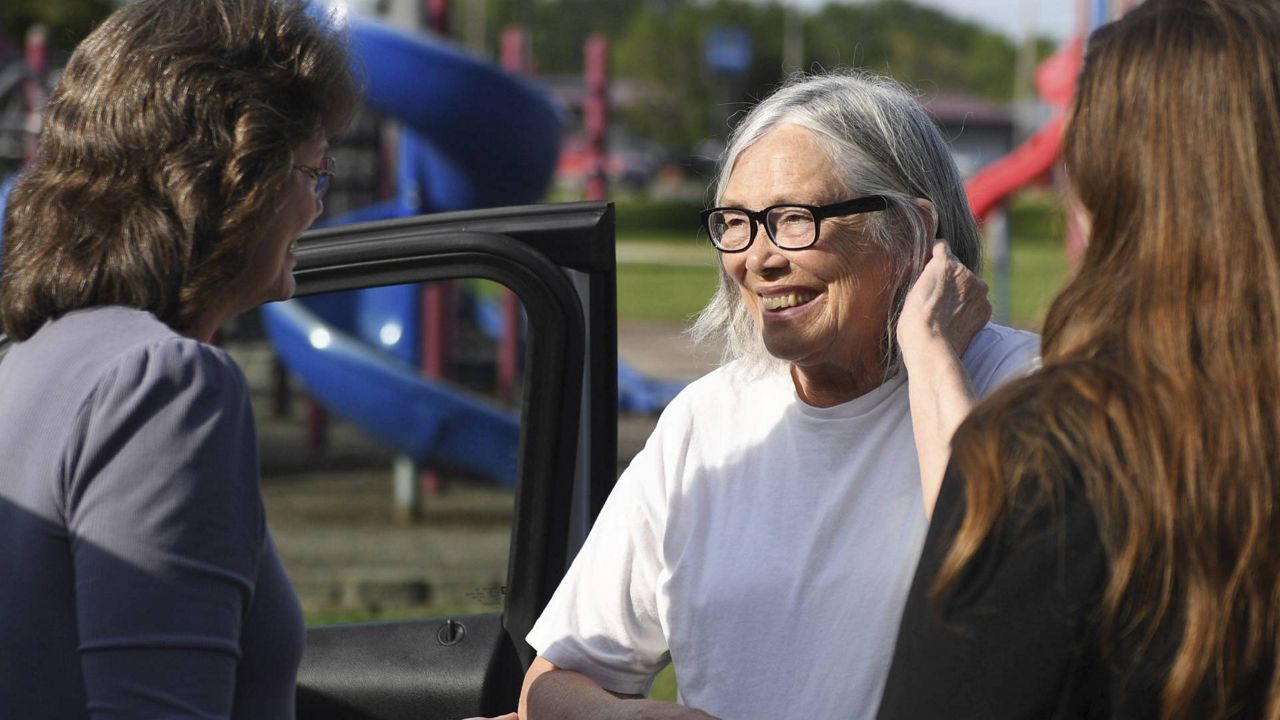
529,700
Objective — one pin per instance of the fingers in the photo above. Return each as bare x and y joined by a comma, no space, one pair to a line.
947,301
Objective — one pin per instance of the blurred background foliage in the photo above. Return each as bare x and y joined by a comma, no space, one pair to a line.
67,21
660,46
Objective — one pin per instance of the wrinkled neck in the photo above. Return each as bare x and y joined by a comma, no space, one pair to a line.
830,385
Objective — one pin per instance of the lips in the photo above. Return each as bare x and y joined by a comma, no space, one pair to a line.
790,299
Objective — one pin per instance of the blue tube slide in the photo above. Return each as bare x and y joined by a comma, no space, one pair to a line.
478,137
471,136
446,164
6,187
434,425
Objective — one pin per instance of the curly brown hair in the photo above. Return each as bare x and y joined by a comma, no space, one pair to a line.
164,149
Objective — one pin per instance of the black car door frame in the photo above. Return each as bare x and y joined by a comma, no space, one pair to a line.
559,260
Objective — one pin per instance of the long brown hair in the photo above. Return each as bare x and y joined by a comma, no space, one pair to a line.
163,151
1161,381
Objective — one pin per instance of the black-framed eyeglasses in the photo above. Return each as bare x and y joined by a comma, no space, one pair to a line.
321,177
790,227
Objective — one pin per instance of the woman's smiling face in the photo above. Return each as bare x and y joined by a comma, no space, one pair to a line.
827,304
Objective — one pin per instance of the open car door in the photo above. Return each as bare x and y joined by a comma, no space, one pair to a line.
559,261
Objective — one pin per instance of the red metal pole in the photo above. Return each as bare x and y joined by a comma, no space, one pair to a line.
36,51
437,329
437,339
514,50
317,426
595,115
515,59
437,298
438,16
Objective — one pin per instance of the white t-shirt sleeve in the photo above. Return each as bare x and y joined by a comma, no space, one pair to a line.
604,620
999,354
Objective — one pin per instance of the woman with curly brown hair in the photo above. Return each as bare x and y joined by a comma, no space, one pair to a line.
183,152
1107,542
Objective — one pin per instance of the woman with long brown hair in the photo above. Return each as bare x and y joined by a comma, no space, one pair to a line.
1106,542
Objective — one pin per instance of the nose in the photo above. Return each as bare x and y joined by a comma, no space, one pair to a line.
764,257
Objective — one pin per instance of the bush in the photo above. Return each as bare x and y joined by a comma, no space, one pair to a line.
1037,215
643,215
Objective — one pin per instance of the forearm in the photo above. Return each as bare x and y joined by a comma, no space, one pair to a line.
941,396
550,693
564,695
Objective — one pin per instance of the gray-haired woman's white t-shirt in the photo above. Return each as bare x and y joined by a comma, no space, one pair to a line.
137,577
763,546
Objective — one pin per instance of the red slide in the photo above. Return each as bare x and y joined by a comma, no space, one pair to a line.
1055,81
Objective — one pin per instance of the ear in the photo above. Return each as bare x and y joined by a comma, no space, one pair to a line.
930,216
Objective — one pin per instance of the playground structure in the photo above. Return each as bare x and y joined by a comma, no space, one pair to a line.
473,136
991,186
470,136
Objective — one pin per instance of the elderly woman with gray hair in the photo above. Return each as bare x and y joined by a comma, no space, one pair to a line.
765,538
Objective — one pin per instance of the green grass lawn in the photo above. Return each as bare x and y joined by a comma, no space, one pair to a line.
666,293
1037,269
664,686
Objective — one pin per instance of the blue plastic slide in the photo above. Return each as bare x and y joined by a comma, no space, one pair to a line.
6,187
472,136
488,145
434,425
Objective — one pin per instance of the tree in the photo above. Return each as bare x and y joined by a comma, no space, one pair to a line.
659,46
920,46
558,29
68,21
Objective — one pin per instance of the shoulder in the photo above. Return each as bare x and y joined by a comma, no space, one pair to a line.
704,424
87,347
731,388
116,355
181,365
998,353
1055,393
132,374
171,385
1045,426
161,427
1026,458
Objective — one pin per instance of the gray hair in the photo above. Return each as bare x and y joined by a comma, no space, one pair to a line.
883,143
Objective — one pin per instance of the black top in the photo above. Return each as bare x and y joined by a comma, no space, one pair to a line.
1017,636
137,576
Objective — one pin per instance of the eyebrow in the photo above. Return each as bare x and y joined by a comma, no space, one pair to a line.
724,202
